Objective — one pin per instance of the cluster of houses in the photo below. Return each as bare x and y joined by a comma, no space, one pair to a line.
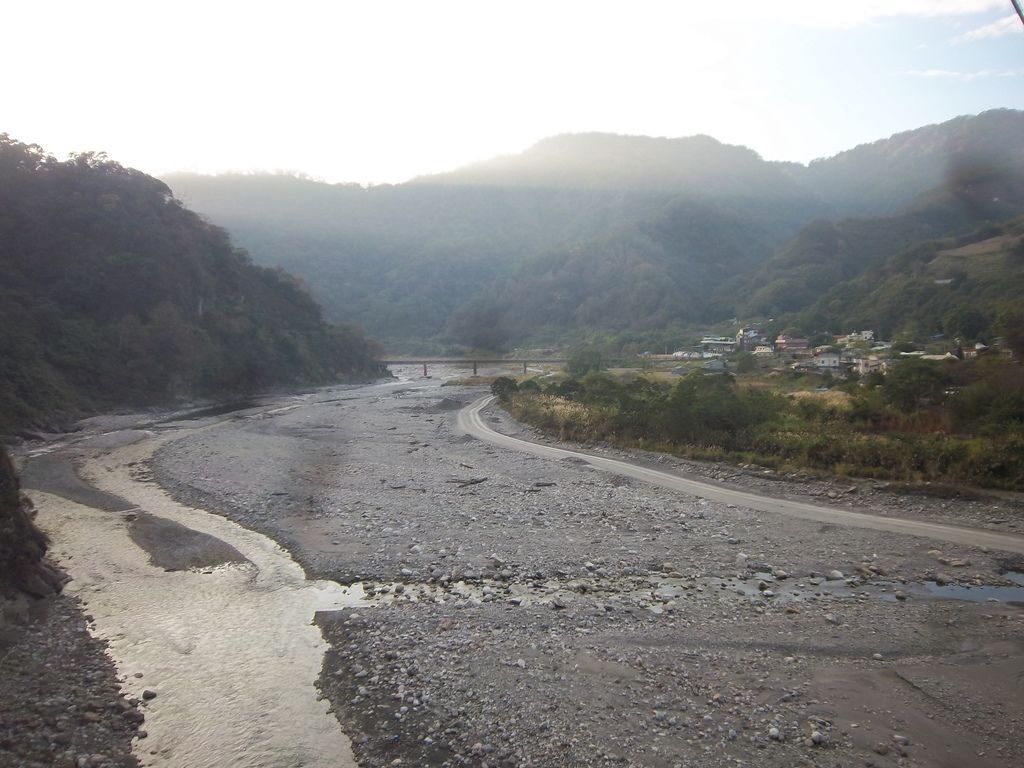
857,351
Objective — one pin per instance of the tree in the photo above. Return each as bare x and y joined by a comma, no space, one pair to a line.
964,321
503,388
706,410
583,360
913,382
745,362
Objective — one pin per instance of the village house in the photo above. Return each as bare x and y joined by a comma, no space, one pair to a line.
748,339
871,364
792,344
713,346
827,361
764,350
977,349
856,337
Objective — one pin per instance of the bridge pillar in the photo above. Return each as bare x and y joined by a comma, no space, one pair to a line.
524,367
424,370
474,367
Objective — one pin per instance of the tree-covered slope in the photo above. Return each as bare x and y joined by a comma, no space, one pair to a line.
881,177
655,275
113,293
597,232
409,261
817,264
967,288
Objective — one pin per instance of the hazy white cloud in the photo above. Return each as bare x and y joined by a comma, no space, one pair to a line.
1004,26
388,89
949,74
831,13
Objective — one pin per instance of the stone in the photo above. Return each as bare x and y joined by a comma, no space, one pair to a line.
835,575
148,695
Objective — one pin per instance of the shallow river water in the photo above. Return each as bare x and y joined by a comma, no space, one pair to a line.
231,651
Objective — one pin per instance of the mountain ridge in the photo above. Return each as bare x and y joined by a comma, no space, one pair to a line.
416,262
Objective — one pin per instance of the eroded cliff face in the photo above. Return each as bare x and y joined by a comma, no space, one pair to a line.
23,571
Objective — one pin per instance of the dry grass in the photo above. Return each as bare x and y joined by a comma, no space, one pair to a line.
991,245
837,399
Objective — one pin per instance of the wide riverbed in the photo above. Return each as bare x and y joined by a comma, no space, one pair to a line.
520,611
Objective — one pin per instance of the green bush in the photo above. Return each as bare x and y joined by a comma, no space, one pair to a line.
503,388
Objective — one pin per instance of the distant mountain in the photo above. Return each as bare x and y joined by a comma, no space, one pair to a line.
697,165
880,273
114,294
588,233
403,260
886,175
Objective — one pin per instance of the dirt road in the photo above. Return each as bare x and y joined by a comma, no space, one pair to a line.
472,423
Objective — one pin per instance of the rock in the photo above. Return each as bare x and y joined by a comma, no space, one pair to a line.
901,595
148,695
780,574
942,579
774,734
835,575
832,619
818,738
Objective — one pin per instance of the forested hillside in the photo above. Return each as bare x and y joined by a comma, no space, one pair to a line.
811,271
629,238
883,176
420,263
113,293
968,287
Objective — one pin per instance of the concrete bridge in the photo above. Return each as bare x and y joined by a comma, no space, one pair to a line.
474,362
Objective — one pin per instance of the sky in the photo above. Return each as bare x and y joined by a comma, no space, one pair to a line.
379,91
